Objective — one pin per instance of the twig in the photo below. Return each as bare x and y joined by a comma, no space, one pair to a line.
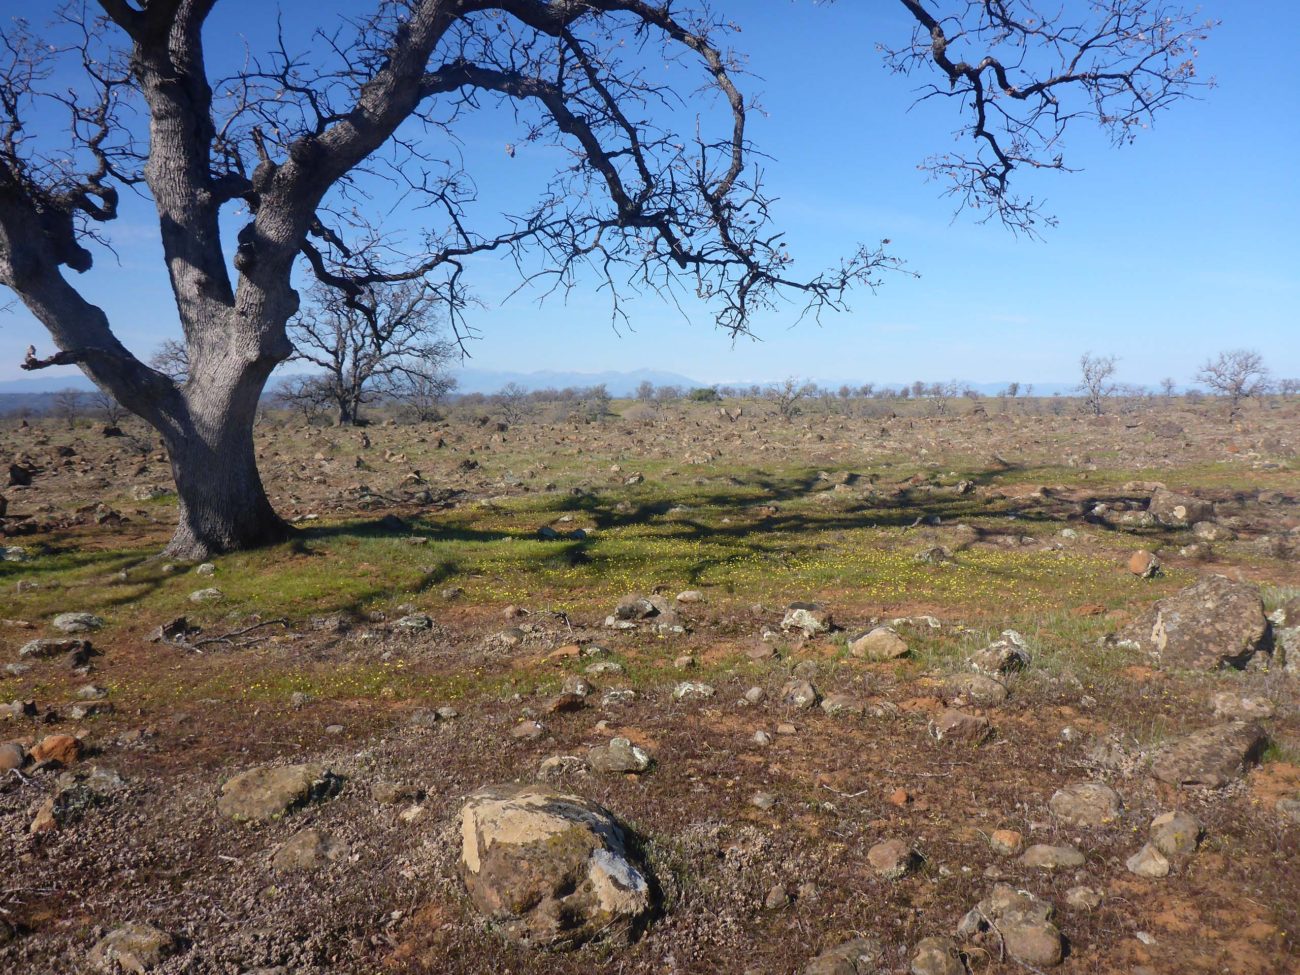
229,637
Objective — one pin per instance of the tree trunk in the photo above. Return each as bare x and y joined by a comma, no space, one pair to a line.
223,505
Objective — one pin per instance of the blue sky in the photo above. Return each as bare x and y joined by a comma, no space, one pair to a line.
1168,250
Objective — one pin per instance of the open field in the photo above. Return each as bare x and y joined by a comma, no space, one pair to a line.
473,566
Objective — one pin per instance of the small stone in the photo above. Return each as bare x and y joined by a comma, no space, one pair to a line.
1148,862
1143,564
269,792
527,730
1008,653
64,749
881,643
689,690
762,800
389,793
899,797
209,595
762,738
1047,857
12,756
810,619
786,728
892,859
1235,706
936,956
842,704
1175,834
684,662
1084,898
47,647
561,766
92,692
307,850
603,667
690,596
620,755
1006,842
799,694
754,695
978,690
77,623
617,697
205,569
776,898
565,703
1086,804
861,956
134,947
958,726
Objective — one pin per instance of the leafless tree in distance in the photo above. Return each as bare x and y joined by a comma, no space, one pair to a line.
515,403
67,405
369,345
787,393
1095,380
289,143
1237,375
172,359
109,408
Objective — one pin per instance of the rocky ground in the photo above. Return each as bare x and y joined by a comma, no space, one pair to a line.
681,691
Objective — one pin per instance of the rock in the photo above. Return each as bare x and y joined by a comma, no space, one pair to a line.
1023,924
881,643
954,725
754,695
209,595
840,703
690,596
413,623
605,667
1143,564
389,793
565,703
776,898
1208,531
762,800
1212,624
268,792
91,692
1084,898
77,623
53,647
634,606
19,476
861,956
892,859
551,869
936,956
1006,654
307,850
561,766
1047,857
134,947
978,690
1211,757
620,755
1148,862
1234,705
205,569
1179,510
809,619
1175,834
1007,842
64,749
527,730
1086,804
12,756
691,690
799,694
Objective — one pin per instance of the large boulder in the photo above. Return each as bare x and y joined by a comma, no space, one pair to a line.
268,792
1211,757
552,869
1179,510
1212,624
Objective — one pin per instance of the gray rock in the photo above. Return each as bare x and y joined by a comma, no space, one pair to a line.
77,623
1179,510
209,595
1086,804
1211,757
307,850
1175,834
861,956
892,859
620,755
881,643
1235,706
952,725
1215,623
47,647
937,956
691,690
1148,862
1006,654
551,869
799,694
978,690
134,947
1047,857
1023,925
268,792
810,619
1084,898
840,703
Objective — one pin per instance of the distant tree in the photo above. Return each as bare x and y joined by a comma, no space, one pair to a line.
668,394
645,391
704,394
515,403
787,394
1237,374
940,395
866,390
1168,388
108,407
595,402
424,392
370,345
1095,382
67,406
1288,387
